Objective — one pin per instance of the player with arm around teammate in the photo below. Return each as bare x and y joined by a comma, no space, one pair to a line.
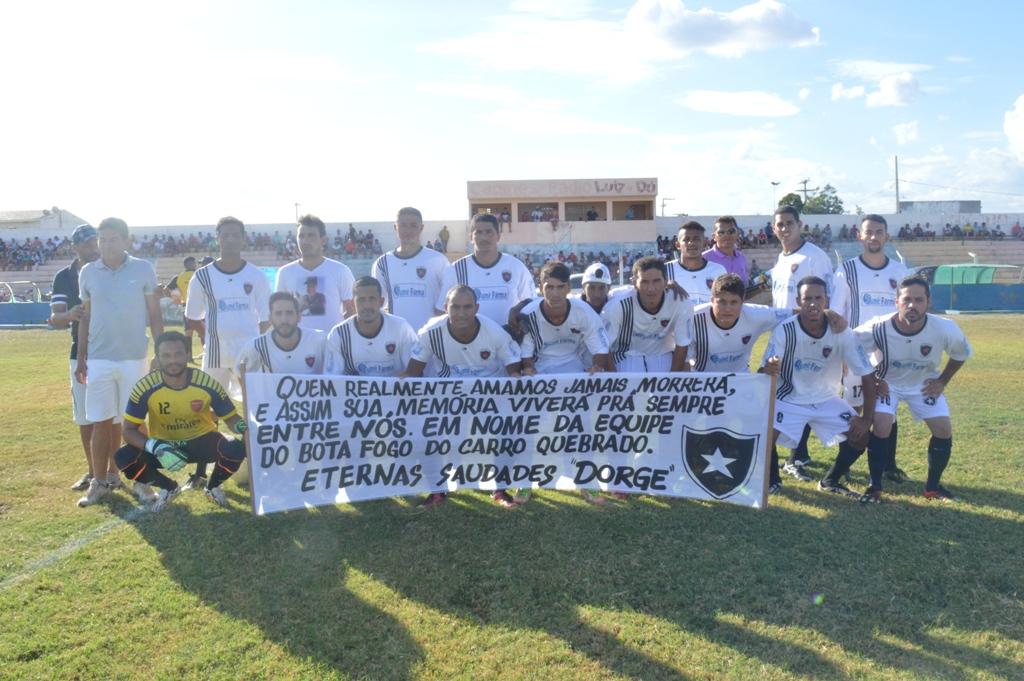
907,347
373,343
287,348
808,356
465,344
177,400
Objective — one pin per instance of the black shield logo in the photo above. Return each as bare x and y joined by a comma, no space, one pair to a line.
664,323
719,460
485,354
507,276
926,349
709,281
892,283
794,267
746,339
248,288
826,351
310,361
421,272
390,347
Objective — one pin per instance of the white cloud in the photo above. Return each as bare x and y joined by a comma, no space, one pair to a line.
542,118
763,25
875,71
1013,126
982,134
804,93
546,36
496,93
738,103
897,90
957,59
840,92
905,132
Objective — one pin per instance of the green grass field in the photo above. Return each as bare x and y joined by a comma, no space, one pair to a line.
557,589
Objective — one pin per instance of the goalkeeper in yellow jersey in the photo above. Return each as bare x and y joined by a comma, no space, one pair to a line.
177,400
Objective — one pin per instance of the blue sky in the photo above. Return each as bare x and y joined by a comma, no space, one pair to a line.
183,112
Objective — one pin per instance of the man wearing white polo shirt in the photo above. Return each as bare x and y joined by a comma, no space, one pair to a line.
118,294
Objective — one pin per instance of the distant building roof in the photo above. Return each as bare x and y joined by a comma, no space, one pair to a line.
22,215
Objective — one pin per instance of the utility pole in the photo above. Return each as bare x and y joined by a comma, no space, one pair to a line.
663,202
297,211
775,203
805,190
897,158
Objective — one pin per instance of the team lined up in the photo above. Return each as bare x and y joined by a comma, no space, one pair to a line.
417,315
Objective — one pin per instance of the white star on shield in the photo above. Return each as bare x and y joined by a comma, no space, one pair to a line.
717,462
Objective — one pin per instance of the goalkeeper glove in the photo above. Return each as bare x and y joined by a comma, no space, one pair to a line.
240,427
167,453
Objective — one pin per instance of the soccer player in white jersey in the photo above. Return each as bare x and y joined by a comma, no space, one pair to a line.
907,349
650,331
322,286
287,348
372,343
228,305
558,332
726,329
809,357
865,287
499,280
799,259
464,343
693,271
410,275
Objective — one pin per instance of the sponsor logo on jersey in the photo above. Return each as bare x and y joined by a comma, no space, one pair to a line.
310,361
421,272
826,351
489,293
233,305
892,283
746,339
794,267
725,359
506,275
248,287
801,365
719,461
926,349
485,354
375,369
664,323
408,291
196,405
878,301
390,347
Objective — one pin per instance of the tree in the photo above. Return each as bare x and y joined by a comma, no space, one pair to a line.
792,199
825,202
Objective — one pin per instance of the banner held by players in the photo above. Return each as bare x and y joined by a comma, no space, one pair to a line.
317,440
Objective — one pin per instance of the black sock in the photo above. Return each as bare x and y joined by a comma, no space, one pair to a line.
162,481
878,449
188,346
799,453
890,457
201,470
939,449
773,470
846,457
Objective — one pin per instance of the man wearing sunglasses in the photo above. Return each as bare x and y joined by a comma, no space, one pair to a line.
724,251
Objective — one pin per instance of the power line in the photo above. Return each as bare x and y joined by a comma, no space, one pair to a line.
961,189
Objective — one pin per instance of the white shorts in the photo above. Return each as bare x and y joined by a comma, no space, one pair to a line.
109,386
573,366
829,420
852,387
920,408
77,398
653,364
229,381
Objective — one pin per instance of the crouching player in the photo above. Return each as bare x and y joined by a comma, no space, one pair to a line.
178,399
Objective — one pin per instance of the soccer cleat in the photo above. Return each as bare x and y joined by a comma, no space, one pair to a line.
164,497
97,490
216,495
504,499
797,471
521,496
591,496
942,494
143,492
195,481
432,500
825,485
83,483
775,488
114,481
872,496
896,475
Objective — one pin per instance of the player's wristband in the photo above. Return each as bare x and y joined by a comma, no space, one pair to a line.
151,445
240,427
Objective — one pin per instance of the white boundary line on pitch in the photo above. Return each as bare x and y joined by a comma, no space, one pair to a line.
79,542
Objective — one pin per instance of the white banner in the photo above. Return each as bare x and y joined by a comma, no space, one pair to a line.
316,440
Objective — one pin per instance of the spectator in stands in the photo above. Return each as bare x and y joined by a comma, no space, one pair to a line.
968,231
592,214
997,232
1015,231
918,232
444,235
983,232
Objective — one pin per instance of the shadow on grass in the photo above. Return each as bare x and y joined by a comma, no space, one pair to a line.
730,580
